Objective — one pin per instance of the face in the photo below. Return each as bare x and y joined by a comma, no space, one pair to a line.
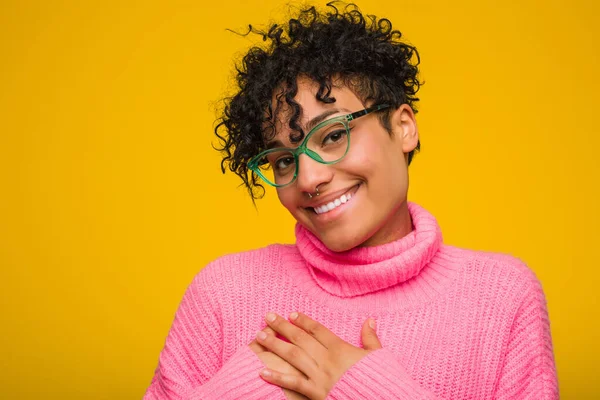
370,182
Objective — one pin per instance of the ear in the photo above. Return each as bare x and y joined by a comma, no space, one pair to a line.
404,127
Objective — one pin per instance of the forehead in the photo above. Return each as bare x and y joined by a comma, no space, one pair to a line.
310,108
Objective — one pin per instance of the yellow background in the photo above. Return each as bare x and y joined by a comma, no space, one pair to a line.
111,198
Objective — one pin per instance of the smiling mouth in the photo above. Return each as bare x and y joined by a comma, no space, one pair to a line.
335,203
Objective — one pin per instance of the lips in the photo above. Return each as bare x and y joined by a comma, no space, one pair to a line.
331,202
343,199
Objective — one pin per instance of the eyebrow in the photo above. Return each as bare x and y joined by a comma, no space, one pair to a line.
310,124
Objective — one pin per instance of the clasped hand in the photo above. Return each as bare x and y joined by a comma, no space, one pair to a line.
313,360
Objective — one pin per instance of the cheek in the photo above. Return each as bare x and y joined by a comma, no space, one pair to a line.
286,199
360,161
386,175
379,163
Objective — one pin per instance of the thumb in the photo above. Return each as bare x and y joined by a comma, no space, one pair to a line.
368,335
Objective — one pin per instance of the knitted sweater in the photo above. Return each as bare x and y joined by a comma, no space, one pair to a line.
453,323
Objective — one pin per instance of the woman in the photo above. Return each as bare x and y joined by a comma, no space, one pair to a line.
369,303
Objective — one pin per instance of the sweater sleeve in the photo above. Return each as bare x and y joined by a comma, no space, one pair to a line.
378,375
190,364
528,371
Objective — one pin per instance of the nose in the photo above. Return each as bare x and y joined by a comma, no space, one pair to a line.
312,174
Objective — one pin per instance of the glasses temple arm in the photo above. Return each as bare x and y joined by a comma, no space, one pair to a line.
366,111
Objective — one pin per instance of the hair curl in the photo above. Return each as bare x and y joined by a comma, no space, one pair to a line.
361,50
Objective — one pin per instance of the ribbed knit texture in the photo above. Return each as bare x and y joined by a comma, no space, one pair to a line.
453,323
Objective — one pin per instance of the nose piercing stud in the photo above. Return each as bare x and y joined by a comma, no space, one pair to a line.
310,196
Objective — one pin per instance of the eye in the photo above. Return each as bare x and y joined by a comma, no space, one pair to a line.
284,162
335,136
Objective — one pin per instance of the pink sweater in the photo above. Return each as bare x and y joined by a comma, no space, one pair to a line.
453,323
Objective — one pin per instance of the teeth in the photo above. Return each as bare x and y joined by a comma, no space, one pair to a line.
333,204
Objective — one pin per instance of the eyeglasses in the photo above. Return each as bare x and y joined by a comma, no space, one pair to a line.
327,143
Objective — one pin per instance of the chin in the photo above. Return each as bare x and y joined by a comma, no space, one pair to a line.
340,243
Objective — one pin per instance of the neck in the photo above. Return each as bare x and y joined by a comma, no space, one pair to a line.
367,269
397,225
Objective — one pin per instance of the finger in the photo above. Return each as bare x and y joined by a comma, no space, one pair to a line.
269,331
316,330
257,347
290,353
297,336
368,335
291,382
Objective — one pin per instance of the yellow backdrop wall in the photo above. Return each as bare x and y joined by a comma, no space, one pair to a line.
111,198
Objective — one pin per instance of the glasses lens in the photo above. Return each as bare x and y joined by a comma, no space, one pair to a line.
278,167
330,141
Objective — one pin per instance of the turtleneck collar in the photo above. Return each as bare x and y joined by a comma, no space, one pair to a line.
363,270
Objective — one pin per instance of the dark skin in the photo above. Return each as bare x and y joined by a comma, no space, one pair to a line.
314,359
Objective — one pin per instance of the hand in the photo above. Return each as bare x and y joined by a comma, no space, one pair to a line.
276,363
315,351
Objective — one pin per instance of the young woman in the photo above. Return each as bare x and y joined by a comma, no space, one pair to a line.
369,303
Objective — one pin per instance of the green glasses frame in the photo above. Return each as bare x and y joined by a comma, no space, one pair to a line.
254,164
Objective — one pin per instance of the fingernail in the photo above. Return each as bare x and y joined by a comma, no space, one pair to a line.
265,372
293,316
261,335
271,317
372,323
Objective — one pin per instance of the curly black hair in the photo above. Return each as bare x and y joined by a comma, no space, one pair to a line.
362,51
